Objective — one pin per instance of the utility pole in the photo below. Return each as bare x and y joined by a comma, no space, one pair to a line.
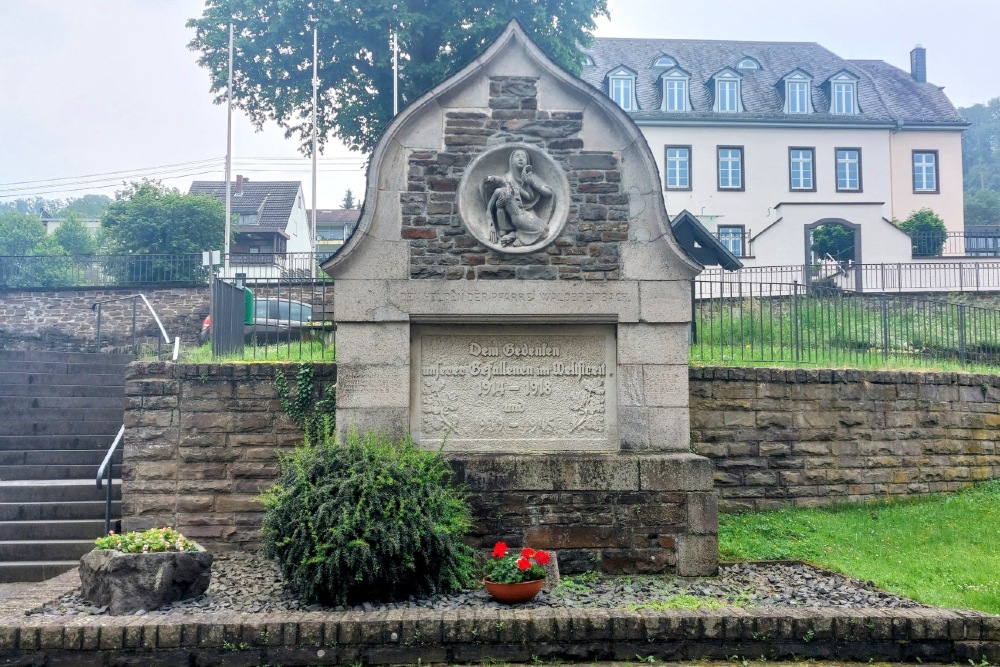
395,73
229,154
315,138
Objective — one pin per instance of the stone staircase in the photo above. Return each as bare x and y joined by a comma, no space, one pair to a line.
59,413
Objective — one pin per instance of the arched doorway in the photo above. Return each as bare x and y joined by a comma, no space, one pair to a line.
832,245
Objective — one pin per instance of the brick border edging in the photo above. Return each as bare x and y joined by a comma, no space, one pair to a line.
409,636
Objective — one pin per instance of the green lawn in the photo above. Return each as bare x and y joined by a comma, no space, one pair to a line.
943,551
311,350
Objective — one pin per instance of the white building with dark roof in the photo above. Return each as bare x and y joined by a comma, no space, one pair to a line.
270,218
765,141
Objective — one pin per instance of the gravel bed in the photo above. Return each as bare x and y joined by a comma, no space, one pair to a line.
247,582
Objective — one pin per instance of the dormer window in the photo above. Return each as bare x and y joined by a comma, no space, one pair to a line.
588,61
621,88
798,92
727,92
665,61
748,64
675,90
844,94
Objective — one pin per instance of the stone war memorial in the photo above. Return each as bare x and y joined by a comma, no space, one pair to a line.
513,294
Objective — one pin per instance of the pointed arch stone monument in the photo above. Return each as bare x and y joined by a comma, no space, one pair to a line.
513,290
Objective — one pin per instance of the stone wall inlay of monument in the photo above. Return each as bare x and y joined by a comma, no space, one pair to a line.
513,296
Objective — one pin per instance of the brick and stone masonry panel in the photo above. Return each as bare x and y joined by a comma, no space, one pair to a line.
779,438
440,247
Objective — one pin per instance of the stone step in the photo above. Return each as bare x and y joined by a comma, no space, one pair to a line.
8,378
62,529
41,550
62,368
85,414
63,390
66,357
19,428
56,491
51,442
48,511
36,457
34,570
55,471
116,402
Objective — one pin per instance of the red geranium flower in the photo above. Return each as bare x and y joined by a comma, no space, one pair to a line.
527,552
542,557
499,550
523,563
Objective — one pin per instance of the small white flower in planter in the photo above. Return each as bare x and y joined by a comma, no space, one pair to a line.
144,570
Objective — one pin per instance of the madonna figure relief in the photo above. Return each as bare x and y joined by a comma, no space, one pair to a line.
516,202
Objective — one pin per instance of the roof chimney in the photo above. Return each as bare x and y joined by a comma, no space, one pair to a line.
918,64
239,185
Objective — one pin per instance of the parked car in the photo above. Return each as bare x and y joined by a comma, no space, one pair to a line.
275,319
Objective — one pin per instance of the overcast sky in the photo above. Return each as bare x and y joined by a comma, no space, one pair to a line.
93,92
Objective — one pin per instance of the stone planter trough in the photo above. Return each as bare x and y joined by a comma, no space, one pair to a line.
126,582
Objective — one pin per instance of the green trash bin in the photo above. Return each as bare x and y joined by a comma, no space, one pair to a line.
248,306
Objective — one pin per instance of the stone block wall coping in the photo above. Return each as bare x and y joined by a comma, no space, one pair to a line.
839,376
236,371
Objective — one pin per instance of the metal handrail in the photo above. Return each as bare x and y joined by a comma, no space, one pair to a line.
99,304
106,470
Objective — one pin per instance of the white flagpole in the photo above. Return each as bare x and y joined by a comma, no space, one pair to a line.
229,152
395,73
315,82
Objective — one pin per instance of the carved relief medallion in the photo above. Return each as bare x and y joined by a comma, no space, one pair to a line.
514,198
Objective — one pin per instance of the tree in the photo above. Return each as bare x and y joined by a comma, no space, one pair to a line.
981,146
20,233
927,230
834,240
982,207
349,200
74,237
146,218
88,206
272,70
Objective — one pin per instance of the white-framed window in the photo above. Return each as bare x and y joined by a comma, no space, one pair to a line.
621,87
844,94
588,61
801,169
730,167
675,93
664,61
925,177
798,97
727,95
732,236
748,64
678,167
848,169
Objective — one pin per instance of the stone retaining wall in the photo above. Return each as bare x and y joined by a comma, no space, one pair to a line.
61,320
202,441
814,437
572,635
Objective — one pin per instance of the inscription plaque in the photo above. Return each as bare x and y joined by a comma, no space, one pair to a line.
514,388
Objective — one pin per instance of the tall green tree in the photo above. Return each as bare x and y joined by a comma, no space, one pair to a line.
272,67
981,146
20,233
73,236
834,240
982,207
88,206
147,218
349,200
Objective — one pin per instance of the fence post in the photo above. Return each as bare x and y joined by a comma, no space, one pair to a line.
795,320
962,352
885,328
899,277
135,342
961,277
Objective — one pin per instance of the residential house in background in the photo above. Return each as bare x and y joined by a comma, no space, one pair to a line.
767,141
333,227
270,221
51,223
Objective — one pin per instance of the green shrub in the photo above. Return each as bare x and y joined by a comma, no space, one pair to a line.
368,520
153,540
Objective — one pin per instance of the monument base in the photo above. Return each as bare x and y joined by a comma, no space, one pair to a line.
620,513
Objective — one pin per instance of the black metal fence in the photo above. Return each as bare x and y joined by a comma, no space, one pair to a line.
792,324
44,271
268,319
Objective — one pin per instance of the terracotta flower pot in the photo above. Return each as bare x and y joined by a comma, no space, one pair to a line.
514,593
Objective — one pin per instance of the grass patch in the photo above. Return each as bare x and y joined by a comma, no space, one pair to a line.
312,350
943,551
680,601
